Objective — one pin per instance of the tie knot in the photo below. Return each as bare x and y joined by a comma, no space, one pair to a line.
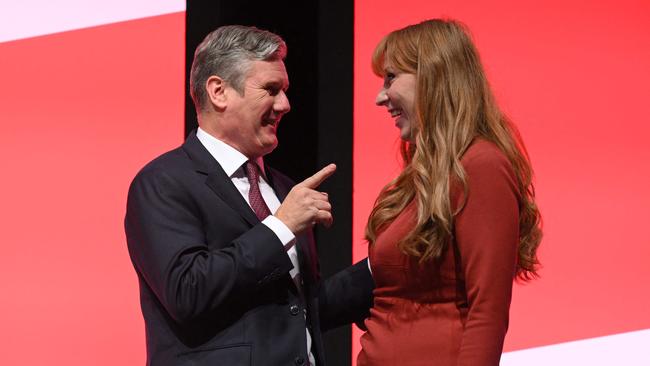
252,171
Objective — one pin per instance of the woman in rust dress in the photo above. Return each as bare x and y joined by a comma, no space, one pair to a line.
451,232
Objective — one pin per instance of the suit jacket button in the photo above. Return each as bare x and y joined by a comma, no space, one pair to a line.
299,361
294,309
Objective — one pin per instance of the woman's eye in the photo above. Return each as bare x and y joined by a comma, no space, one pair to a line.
388,78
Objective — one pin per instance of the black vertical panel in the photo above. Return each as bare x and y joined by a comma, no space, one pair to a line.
335,128
318,130
296,154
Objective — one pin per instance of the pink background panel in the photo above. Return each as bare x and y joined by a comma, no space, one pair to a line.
81,112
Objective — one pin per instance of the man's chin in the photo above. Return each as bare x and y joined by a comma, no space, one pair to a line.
267,148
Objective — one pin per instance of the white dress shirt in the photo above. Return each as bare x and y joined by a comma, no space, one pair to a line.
232,161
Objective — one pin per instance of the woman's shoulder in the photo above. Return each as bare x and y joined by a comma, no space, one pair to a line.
483,154
487,167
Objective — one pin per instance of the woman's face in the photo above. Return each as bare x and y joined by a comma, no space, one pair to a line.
398,96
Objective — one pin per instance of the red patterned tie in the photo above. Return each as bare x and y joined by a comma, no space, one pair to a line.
254,195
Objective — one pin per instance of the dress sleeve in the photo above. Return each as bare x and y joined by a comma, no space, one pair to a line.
487,235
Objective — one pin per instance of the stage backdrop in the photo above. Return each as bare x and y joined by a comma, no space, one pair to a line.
90,92
575,77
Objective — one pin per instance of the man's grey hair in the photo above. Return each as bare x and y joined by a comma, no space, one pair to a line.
227,53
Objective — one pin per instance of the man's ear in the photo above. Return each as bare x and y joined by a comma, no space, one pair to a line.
216,91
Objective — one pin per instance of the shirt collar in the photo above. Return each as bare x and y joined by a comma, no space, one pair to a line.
227,156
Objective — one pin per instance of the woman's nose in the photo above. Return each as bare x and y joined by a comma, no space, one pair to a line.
382,98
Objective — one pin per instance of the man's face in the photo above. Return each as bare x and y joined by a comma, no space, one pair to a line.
253,117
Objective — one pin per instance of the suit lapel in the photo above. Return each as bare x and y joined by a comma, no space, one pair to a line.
217,180
221,184
281,190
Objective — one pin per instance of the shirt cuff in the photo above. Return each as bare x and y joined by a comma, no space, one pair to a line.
281,231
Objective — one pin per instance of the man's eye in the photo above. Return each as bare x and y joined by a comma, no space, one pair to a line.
273,91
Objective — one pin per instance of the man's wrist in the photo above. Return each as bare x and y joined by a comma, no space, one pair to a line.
281,231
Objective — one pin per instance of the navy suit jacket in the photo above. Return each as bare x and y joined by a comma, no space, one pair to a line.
214,281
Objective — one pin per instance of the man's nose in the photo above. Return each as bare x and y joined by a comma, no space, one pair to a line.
382,98
281,104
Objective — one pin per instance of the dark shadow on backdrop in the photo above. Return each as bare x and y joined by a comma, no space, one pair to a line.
318,130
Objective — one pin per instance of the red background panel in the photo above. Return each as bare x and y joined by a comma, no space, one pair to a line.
80,113
575,78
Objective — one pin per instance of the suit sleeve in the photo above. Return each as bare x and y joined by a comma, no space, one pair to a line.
487,235
167,244
346,297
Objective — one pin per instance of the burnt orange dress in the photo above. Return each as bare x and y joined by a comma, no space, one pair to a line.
455,311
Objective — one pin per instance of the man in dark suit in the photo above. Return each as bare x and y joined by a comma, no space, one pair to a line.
221,243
